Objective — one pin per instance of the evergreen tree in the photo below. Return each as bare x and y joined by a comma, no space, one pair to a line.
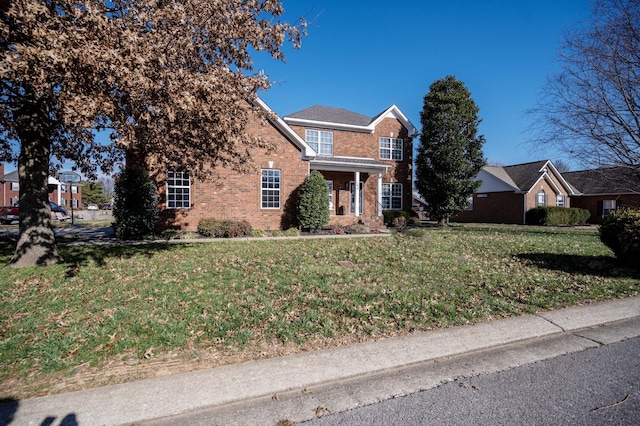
450,151
135,210
313,209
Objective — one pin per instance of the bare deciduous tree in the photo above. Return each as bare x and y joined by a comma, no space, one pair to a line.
590,110
166,77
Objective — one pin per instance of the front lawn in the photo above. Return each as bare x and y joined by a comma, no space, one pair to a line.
116,313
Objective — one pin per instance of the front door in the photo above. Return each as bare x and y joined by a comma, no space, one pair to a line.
353,197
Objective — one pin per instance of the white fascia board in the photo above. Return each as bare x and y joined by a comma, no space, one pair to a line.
308,153
561,178
394,112
53,181
328,125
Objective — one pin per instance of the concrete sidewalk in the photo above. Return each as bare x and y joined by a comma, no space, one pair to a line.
262,392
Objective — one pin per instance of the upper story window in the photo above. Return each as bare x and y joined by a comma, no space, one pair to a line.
320,141
178,190
270,189
74,189
63,188
14,186
391,148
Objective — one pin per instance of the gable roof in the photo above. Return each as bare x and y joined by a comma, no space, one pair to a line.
342,119
607,180
521,177
305,149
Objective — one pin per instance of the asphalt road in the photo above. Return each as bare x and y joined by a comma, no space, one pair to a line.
595,387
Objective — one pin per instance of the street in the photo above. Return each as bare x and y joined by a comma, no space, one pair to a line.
595,387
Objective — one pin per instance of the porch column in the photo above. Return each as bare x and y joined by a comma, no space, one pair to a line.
356,204
59,187
379,194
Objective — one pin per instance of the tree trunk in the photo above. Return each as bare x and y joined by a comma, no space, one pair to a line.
36,244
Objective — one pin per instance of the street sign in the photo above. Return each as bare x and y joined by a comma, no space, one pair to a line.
71,177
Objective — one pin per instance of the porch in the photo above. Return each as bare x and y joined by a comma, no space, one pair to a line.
355,189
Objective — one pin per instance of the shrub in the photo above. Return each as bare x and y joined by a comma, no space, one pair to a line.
258,233
620,231
313,206
224,228
390,215
399,222
357,228
291,232
276,233
555,216
135,209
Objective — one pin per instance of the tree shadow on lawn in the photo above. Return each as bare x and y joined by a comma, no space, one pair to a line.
605,266
78,255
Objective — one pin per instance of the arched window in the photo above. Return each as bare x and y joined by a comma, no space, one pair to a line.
541,199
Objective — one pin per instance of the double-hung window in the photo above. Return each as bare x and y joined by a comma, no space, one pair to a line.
391,149
178,190
541,199
270,189
608,206
392,196
320,141
560,200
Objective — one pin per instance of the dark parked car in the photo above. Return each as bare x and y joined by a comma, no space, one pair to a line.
11,214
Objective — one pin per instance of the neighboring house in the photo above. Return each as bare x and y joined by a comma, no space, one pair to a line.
506,193
365,161
419,205
602,191
59,192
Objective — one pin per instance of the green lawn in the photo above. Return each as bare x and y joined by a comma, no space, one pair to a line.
236,300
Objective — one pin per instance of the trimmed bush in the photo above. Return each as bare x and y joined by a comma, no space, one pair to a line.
313,207
213,228
399,222
135,208
556,216
291,232
390,215
620,231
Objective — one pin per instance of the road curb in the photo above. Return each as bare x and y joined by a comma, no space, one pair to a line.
183,393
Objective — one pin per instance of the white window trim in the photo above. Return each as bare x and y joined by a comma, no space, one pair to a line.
316,141
390,195
169,188
387,151
330,189
270,191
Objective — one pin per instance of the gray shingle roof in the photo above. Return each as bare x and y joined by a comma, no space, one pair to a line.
609,180
332,115
525,175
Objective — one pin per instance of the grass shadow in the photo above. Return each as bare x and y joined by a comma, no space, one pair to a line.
605,266
77,255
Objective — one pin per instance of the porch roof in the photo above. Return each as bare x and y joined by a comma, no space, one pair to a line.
348,164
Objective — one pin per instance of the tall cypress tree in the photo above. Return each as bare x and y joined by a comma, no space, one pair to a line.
450,151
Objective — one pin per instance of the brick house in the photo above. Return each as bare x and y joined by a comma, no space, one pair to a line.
59,192
506,193
365,161
603,190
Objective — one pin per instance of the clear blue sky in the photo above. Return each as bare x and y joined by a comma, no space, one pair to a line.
365,55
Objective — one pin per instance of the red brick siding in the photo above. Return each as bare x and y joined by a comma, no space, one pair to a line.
237,196
367,145
496,207
592,203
